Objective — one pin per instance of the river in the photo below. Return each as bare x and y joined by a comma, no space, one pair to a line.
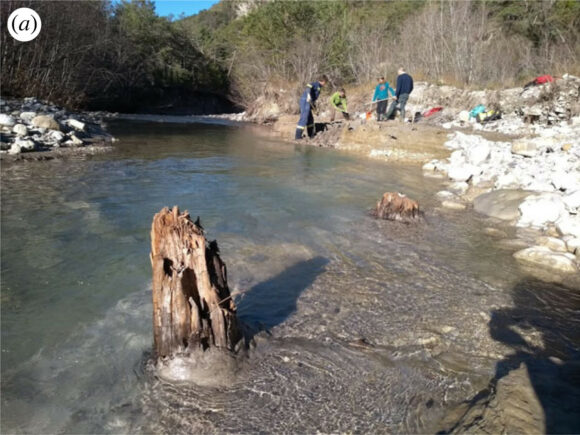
366,325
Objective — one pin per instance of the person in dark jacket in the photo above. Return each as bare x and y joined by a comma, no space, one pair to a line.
381,96
404,88
307,105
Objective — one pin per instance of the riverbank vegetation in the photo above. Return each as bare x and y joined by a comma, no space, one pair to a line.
104,55
121,54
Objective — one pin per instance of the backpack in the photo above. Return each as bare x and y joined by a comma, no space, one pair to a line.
476,111
490,115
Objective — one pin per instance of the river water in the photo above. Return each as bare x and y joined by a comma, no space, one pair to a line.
365,325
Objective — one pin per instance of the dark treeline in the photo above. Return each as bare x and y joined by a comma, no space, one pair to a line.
122,56
103,55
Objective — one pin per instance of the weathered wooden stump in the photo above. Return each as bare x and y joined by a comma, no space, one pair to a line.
192,306
397,207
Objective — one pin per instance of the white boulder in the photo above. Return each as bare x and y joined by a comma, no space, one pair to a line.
6,120
565,180
463,172
569,224
20,130
463,116
478,153
55,136
76,124
541,209
544,257
459,187
28,116
45,121
524,147
573,245
500,204
572,201
25,144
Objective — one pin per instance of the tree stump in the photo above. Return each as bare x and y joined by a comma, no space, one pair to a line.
192,306
397,207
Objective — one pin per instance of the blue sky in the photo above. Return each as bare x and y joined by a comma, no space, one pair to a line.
176,7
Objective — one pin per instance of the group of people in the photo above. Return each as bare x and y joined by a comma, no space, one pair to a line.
338,101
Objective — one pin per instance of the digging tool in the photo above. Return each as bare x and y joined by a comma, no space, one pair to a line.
369,114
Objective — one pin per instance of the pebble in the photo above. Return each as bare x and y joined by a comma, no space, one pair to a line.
453,205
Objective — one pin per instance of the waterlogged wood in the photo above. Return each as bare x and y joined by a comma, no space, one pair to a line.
397,207
192,307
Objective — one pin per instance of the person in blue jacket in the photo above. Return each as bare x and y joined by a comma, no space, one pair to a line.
404,88
307,105
381,96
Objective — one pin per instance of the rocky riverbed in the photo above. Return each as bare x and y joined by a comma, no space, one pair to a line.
530,182
37,130
521,170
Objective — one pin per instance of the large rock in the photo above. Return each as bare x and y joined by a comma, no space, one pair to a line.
6,120
54,136
524,147
15,149
544,257
540,209
20,130
463,172
572,201
573,245
27,116
478,153
45,121
507,181
552,243
501,204
25,144
74,141
76,124
568,181
569,225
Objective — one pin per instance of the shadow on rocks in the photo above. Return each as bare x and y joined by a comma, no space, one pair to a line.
536,388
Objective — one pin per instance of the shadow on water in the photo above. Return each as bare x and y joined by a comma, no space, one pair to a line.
543,329
271,302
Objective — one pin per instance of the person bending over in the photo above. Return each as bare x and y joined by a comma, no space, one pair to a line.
338,103
307,106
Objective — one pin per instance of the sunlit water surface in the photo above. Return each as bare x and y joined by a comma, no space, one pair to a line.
366,325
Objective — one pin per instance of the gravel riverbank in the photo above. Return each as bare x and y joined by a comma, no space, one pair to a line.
34,130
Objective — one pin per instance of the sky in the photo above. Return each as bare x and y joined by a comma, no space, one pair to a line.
176,7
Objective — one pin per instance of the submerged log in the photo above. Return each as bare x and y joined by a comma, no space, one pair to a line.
397,207
192,306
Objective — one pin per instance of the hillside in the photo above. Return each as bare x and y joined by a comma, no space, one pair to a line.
475,44
122,56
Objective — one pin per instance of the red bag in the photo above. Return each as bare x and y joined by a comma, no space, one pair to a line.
432,111
544,79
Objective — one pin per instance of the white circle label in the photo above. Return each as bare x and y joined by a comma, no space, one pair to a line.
24,24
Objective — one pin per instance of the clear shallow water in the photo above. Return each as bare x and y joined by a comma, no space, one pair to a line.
317,273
